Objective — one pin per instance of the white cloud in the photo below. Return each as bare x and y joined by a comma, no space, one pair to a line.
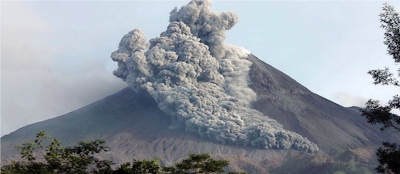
348,100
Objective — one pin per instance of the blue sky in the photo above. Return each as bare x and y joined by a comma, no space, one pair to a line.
55,55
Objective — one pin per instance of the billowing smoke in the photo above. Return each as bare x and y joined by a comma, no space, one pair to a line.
207,25
200,81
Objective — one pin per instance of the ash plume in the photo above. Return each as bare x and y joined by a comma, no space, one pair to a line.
200,81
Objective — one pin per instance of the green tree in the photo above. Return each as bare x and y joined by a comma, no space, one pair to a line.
39,158
196,163
139,167
52,158
201,163
388,154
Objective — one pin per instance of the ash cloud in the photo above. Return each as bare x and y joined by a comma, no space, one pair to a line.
205,24
200,81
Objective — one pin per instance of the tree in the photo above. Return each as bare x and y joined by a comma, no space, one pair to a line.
139,167
196,163
389,153
40,158
52,158
201,163
389,158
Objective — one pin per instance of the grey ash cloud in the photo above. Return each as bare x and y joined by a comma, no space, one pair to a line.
200,81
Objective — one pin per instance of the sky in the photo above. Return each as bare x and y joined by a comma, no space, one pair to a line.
55,56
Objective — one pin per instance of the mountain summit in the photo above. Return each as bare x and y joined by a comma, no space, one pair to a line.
134,126
189,92
201,82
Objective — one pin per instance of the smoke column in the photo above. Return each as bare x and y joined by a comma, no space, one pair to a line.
200,81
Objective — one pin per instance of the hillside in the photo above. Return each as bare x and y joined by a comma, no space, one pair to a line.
134,127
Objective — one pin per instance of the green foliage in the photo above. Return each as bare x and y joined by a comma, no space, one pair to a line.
388,154
196,163
53,159
139,167
201,163
374,112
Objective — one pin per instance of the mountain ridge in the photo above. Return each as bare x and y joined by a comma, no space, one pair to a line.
134,127
286,101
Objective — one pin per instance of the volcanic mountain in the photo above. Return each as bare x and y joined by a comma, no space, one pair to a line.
189,92
134,127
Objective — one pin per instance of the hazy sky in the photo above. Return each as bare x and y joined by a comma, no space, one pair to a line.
55,55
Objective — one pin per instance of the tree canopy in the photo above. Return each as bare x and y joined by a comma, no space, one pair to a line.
389,153
46,156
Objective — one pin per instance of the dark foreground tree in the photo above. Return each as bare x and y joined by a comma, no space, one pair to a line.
389,158
43,156
196,163
389,153
48,157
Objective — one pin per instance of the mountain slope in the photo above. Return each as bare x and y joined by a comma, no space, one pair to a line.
126,119
134,127
333,127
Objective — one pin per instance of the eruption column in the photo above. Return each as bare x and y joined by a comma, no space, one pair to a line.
200,81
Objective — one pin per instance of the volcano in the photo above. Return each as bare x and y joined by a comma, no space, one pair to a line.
189,92
134,127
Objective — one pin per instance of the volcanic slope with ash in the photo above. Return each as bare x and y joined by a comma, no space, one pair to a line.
189,92
133,126
200,81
